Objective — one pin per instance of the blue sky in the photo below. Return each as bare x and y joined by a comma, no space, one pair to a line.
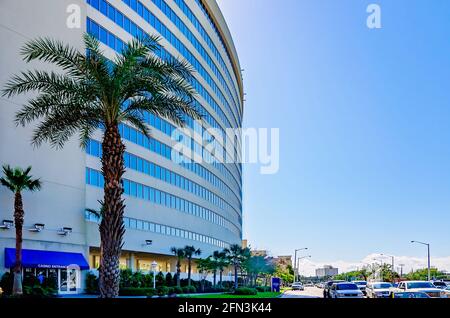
364,118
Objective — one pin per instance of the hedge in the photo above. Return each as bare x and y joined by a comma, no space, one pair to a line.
135,291
245,291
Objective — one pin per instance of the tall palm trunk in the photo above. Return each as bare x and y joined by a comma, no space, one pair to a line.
235,276
220,277
214,277
18,221
111,227
189,271
178,273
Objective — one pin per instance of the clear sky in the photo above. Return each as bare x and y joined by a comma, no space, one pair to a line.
364,118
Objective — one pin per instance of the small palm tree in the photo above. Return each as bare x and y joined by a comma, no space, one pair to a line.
93,92
222,264
218,263
189,252
237,256
179,253
18,180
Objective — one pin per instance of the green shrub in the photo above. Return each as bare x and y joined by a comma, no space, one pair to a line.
148,280
169,280
185,289
125,278
133,291
192,289
170,290
162,290
50,282
6,283
137,280
38,292
178,290
160,279
263,289
245,291
30,280
91,284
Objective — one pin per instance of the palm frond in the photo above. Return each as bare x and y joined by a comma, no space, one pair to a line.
55,52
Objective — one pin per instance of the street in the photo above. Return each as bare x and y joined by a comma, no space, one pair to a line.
309,292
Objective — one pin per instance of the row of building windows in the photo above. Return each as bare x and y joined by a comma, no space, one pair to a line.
135,136
164,7
125,23
118,45
169,129
140,191
190,15
115,43
214,27
145,13
139,164
146,226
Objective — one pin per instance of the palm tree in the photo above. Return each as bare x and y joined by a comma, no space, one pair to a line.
237,256
93,92
223,263
189,252
18,180
218,263
179,253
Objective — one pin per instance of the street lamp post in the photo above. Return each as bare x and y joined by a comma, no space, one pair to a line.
428,249
154,264
295,260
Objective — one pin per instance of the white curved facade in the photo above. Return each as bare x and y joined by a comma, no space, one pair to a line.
167,203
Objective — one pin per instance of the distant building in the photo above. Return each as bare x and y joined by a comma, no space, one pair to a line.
326,271
263,253
284,261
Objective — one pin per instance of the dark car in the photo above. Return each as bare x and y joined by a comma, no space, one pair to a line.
327,287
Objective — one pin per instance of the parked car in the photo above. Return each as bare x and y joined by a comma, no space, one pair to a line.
362,284
447,292
440,284
410,295
419,286
378,290
320,285
327,286
297,286
309,284
345,290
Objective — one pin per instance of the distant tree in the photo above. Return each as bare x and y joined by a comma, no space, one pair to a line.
422,274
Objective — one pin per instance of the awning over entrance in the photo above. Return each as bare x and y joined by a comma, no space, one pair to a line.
45,259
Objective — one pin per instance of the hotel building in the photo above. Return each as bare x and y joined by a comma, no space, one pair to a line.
167,203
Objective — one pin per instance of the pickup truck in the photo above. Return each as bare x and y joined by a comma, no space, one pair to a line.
418,286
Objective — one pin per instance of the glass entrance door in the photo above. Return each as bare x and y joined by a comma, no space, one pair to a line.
68,280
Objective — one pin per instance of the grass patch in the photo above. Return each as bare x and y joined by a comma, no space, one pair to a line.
259,295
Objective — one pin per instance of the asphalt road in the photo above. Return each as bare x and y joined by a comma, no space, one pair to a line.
309,292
